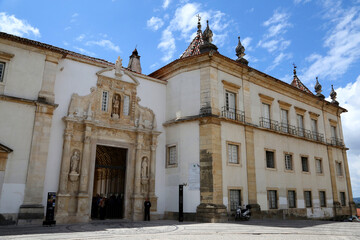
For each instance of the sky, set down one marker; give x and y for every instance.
(321, 37)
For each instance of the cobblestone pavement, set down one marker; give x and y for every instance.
(165, 229)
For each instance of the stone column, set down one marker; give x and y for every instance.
(211, 208)
(32, 210)
(138, 199)
(83, 196)
(152, 196)
(348, 183)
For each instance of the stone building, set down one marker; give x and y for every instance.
(84, 127)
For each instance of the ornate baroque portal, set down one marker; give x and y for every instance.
(109, 116)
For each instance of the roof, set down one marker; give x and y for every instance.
(298, 84)
(49, 47)
(194, 47)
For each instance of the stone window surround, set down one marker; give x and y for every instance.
(268, 197)
(292, 162)
(311, 198)
(168, 165)
(300, 111)
(233, 88)
(284, 105)
(238, 164)
(322, 190)
(308, 165)
(241, 195)
(6, 58)
(275, 165)
(321, 164)
(287, 196)
(343, 203)
(337, 164)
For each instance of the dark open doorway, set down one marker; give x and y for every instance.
(109, 182)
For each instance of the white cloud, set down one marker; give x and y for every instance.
(301, 1)
(219, 39)
(80, 37)
(86, 52)
(167, 45)
(246, 43)
(107, 44)
(278, 60)
(343, 44)
(12, 25)
(67, 28)
(349, 98)
(74, 17)
(155, 23)
(166, 4)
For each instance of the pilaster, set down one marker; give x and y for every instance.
(48, 82)
(348, 183)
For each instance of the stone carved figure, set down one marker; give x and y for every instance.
(74, 162)
(115, 113)
(144, 117)
(145, 168)
(118, 66)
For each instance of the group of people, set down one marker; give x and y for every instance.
(103, 207)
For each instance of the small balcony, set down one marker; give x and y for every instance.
(270, 124)
(232, 113)
(336, 142)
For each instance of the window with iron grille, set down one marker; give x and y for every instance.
(308, 200)
(126, 105)
(342, 199)
(292, 199)
(235, 199)
(288, 162)
(314, 128)
(266, 115)
(305, 164)
(233, 153)
(272, 195)
(171, 156)
(300, 123)
(284, 120)
(270, 161)
(318, 164)
(2, 71)
(105, 100)
(322, 197)
(230, 100)
(339, 171)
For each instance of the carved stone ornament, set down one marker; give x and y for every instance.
(333, 96)
(240, 53)
(318, 89)
(74, 165)
(145, 168)
(115, 112)
(118, 67)
(207, 38)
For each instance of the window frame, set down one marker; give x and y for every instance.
(288, 198)
(307, 164)
(270, 205)
(125, 96)
(106, 104)
(274, 159)
(238, 145)
(6, 59)
(343, 199)
(339, 169)
(305, 200)
(292, 161)
(284, 125)
(324, 203)
(2, 76)
(168, 164)
(229, 197)
(321, 166)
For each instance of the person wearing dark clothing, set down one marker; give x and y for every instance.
(102, 210)
(147, 206)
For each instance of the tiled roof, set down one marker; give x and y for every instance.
(194, 47)
(298, 84)
(51, 48)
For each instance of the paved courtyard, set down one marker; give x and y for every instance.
(165, 229)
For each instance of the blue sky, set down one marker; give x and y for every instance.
(321, 37)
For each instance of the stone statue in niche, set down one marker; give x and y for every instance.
(74, 162)
(115, 113)
(145, 168)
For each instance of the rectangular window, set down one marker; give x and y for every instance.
(230, 99)
(342, 199)
(270, 161)
(300, 124)
(171, 156)
(307, 196)
(2, 71)
(333, 132)
(233, 153)
(322, 197)
(266, 115)
(105, 100)
(126, 105)
(235, 199)
(272, 195)
(284, 121)
(305, 164)
(318, 164)
(314, 129)
(288, 162)
(292, 199)
(339, 171)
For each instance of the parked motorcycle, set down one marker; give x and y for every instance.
(243, 213)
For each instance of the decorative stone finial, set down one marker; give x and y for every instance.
(294, 69)
(240, 53)
(199, 23)
(207, 35)
(333, 96)
(318, 89)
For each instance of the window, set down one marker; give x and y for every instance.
(270, 161)
(171, 156)
(292, 199)
(300, 124)
(314, 129)
(322, 197)
(266, 115)
(230, 99)
(104, 103)
(288, 162)
(307, 196)
(2, 71)
(342, 199)
(304, 164)
(284, 121)
(272, 195)
(235, 199)
(126, 105)
(339, 171)
(333, 132)
(233, 153)
(318, 164)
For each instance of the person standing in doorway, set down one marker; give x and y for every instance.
(147, 205)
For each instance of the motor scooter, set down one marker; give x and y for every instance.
(243, 213)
